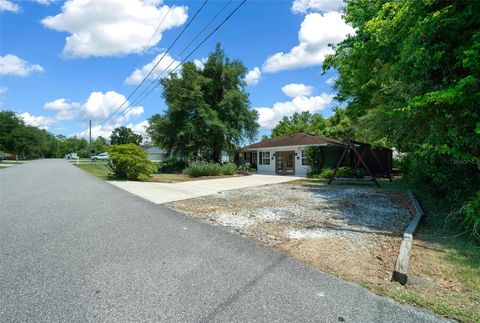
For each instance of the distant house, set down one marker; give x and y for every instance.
(286, 155)
(155, 154)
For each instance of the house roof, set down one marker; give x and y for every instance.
(299, 139)
(153, 149)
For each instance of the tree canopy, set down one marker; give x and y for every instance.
(124, 136)
(28, 142)
(411, 79)
(208, 110)
(338, 126)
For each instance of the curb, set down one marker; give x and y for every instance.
(400, 273)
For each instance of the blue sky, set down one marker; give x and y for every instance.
(63, 63)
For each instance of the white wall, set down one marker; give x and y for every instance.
(300, 170)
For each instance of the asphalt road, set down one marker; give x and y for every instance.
(77, 249)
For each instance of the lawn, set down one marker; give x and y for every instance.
(97, 169)
(444, 270)
(100, 170)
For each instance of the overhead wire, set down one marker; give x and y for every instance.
(156, 83)
(156, 64)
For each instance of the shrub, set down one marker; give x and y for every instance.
(203, 169)
(172, 165)
(316, 159)
(327, 172)
(129, 162)
(229, 169)
(345, 172)
(210, 169)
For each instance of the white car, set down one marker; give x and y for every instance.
(71, 156)
(102, 156)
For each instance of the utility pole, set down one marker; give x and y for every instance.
(90, 140)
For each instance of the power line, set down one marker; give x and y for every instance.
(139, 99)
(156, 64)
(142, 52)
(128, 108)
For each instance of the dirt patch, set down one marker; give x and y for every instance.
(353, 233)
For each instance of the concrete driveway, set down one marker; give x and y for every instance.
(160, 193)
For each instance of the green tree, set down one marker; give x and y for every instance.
(123, 136)
(411, 78)
(100, 145)
(208, 110)
(306, 122)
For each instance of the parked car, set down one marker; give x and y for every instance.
(102, 156)
(71, 156)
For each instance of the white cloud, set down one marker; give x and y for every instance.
(97, 107)
(46, 2)
(331, 81)
(297, 89)
(268, 118)
(304, 6)
(63, 110)
(14, 65)
(200, 63)
(37, 121)
(139, 74)
(3, 89)
(113, 27)
(106, 131)
(100, 105)
(316, 33)
(6, 5)
(97, 131)
(253, 76)
(140, 128)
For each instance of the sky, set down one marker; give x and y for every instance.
(63, 63)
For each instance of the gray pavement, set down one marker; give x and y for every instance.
(77, 249)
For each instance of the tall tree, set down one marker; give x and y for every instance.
(208, 110)
(306, 122)
(123, 136)
(411, 77)
(100, 144)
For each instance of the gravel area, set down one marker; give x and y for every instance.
(351, 232)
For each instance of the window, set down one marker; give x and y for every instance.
(264, 158)
(304, 158)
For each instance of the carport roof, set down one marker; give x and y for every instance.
(299, 139)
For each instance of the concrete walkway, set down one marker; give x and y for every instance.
(160, 193)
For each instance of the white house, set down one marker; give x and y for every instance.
(155, 154)
(286, 155)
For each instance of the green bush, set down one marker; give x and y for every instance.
(344, 172)
(327, 172)
(203, 169)
(210, 169)
(171, 165)
(229, 169)
(316, 159)
(129, 162)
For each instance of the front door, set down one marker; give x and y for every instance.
(285, 162)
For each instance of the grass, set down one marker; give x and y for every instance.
(100, 170)
(444, 270)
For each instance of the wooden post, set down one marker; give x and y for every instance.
(338, 163)
(380, 164)
(365, 165)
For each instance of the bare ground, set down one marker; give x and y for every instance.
(353, 233)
